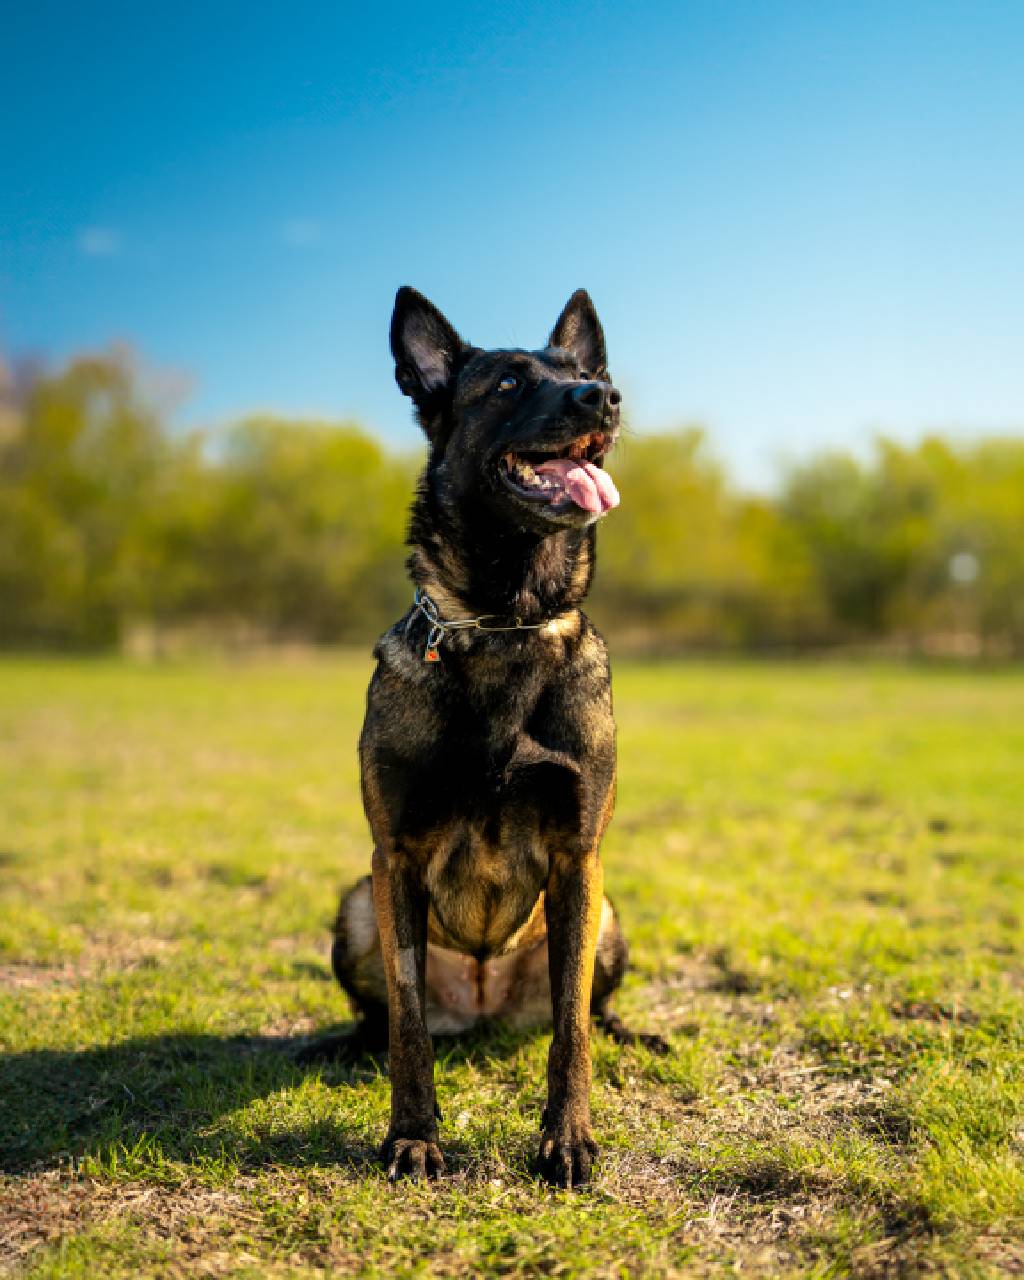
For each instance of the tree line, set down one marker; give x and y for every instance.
(116, 527)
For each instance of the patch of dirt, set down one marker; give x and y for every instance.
(1005, 1254)
(123, 953)
(289, 1027)
(767, 1209)
(32, 977)
(45, 1208)
(932, 1011)
(101, 955)
(41, 1210)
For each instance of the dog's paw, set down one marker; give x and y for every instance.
(613, 1027)
(341, 1050)
(329, 1049)
(345, 1049)
(653, 1043)
(411, 1158)
(566, 1156)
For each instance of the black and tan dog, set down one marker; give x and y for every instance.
(488, 750)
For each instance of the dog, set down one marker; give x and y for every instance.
(488, 750)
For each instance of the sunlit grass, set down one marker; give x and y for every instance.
(819, 870)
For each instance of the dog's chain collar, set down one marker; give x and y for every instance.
(440, 627)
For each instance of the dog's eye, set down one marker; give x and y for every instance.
(508, 383)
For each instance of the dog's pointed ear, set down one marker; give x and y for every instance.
(578, 330)
(426, 350)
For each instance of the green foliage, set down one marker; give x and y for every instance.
(299, 531)
(77, 471)
(115, 528)
(110, 521)
(887, 539)
(686, 558)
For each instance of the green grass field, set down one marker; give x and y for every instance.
(820, 870)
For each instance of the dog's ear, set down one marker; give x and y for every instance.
(426, 350)
(578, 330)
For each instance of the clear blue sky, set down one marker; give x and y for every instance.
(800, 222)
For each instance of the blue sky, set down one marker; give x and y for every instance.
(801, 223)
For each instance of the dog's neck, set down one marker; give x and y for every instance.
(470, 567)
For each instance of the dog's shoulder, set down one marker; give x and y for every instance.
(397, 656)
(585, 659)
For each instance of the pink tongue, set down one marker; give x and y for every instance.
(587, 485)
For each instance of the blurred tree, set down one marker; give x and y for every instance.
(77, 470)
(925, 542)
(686, 559)
(306, 526)
(113, 525)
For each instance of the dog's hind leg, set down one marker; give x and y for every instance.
(609, 969)
(359, 969)
(368, 1039)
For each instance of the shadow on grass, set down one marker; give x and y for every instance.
(170, 1091)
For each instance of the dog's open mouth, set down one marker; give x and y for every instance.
(560, 477)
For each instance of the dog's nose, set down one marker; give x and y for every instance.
(596, 396)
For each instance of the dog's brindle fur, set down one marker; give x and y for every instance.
(489, 776)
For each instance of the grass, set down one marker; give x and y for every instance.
(820, 870)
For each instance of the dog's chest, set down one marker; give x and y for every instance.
(483, 880)
(488, 855)
(477, 791)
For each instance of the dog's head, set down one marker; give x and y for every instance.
(523, 432)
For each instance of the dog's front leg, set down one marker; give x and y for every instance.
(573, 908)
(400, 901)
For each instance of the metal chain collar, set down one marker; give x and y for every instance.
(440, 627)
